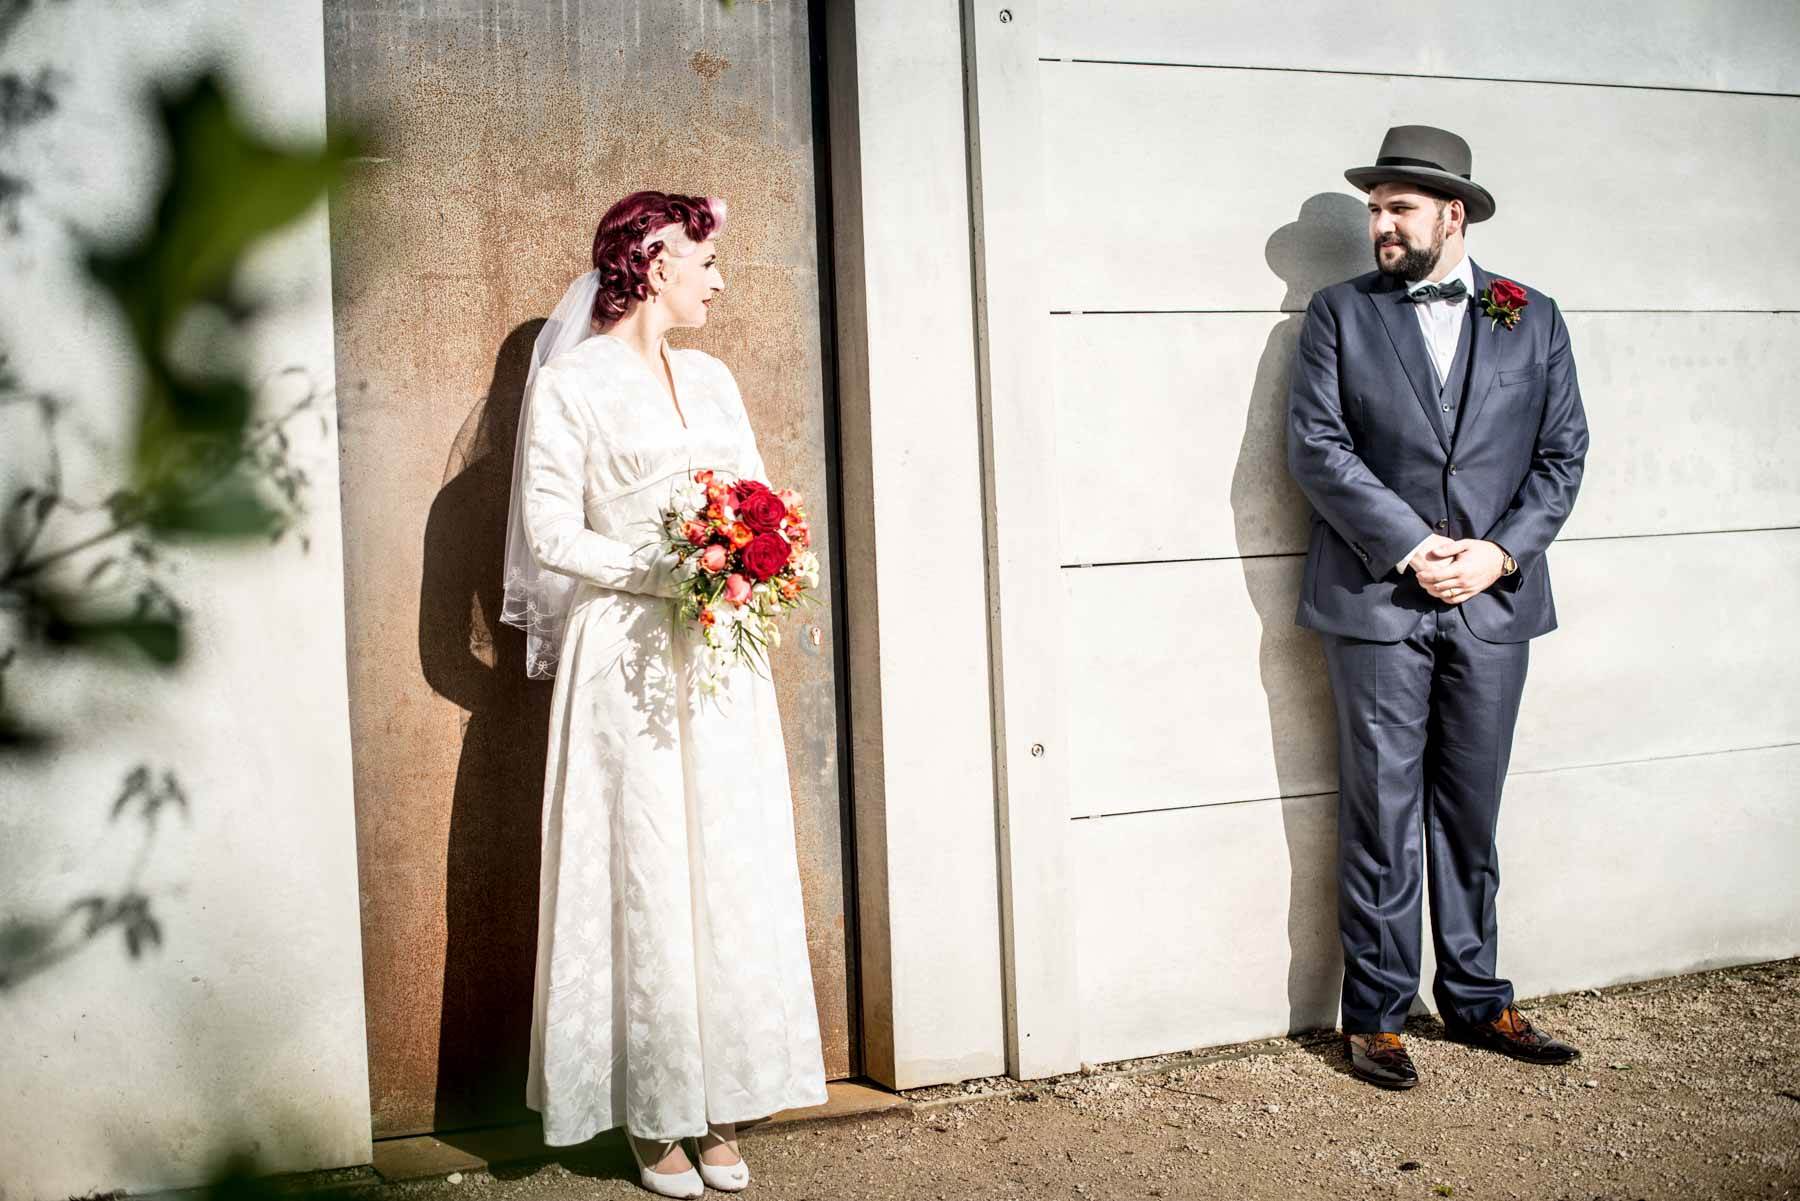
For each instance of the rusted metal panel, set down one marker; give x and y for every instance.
(502, 132)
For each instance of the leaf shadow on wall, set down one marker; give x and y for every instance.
(1326, 243)
(470, 659)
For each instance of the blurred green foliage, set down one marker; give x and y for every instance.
(86, 569)
(84, 573)
(225, 191)
(34, 942)
(26, 97)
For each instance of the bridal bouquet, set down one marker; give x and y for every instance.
(742, 559)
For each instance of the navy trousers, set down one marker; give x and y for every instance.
(1425, 730)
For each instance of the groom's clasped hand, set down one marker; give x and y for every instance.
(1455, 570)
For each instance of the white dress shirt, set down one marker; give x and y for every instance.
(1441, 321)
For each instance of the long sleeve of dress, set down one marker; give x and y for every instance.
(555, 516)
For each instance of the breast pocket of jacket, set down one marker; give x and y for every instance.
(1521, 392)
(1524, 375)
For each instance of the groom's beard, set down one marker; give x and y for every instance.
(1414, 265)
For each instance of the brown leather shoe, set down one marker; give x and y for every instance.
(1381, 1059)
(1511, 1034)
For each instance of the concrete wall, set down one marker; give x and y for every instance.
(245, 1029)
(1651, 813)
(1189, 163)
(923, 736)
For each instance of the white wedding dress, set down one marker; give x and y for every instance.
(673, 984)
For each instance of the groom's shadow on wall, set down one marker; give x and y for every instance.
(1326, 243)
(491, 870)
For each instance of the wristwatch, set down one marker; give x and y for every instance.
(1508, 565)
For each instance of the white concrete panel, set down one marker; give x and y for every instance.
(1692, 417)
(1182, 413)
(1209, 926)
(1024, 593)
(244, 1030)
(1165, 188)
(919, 708)
(1736, 45)
(1190, 685)
(1171, 437)
(1206, 926)
(1668, 646)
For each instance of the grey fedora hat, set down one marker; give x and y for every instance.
(1432, 158)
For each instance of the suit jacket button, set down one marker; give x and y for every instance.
(1453, 469)
(1443, 523)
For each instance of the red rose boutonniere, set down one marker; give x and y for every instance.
(1504, 302)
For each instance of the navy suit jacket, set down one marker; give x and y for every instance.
(1368, 448)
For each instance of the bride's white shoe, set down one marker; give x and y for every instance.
(726, 1178)
(665, 1184)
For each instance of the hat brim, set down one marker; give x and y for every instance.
(1477, 201)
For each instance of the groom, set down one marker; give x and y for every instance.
(1436, 427)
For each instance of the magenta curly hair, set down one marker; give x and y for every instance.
(624, 248)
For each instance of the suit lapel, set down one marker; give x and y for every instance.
(1484, 353)
(1403, 332)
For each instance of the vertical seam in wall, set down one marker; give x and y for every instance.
(875, 1015)
(823, 192)
(996, 667)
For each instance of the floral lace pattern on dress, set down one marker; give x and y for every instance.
(673, 984)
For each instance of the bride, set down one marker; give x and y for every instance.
(673, 991)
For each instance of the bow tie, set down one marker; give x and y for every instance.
(1453, 290)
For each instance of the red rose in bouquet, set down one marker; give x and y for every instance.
(741, 562)
(766, 555)
(762, 511)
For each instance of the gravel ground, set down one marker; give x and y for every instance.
(1689, 1089)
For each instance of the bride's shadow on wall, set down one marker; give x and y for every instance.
(1327, 242)
(470, 659)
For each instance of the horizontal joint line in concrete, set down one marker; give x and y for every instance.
(1297, 312)
(1736, 750)
(1558, 83)
(1758, 529)
(1534, 771)
(1196, 559)
(1254, 800)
